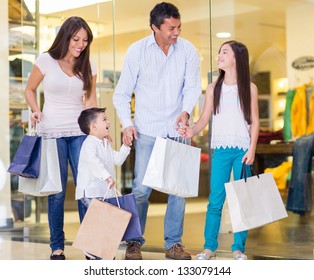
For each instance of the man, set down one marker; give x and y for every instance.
(163, 71)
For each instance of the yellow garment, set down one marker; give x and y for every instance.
(298, 113)
(280, 174)
(310, 127)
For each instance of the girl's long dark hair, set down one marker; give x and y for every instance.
(60, 47)
(243, 79)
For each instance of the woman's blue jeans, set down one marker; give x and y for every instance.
(223, 161)
(68, 151)
(174, 218)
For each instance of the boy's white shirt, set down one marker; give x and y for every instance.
(97, 163)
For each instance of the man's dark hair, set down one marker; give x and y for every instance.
(161, 11)
(87, 117)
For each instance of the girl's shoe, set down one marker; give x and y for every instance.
(206, 255)
(238, 255)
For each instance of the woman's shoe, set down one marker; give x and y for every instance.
(206, 255)
(60, 257)
(238, 255)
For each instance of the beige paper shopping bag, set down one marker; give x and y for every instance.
(101, 230)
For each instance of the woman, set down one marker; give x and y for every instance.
(69, 85)
(232, 101)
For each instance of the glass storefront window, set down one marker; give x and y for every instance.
(281, 58)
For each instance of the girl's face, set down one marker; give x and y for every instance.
(101, 126)
(78, 42)
(226, 58)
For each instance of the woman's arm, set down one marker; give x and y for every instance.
(33, 82)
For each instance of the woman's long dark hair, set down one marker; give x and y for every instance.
(243, 79)
(60, 47)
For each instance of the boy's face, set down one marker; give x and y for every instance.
(101, 127)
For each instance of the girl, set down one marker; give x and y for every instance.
(232, 100)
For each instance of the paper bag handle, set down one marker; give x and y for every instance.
(117, 193)
(244, 174)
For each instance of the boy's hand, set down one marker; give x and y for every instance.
(111, 182)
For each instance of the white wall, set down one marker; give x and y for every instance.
(300, 41)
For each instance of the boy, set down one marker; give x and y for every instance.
(97, 160)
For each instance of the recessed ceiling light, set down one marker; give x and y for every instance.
(48, 6)
(223, 35)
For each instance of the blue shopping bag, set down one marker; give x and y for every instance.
(26, 161)
(128, 203)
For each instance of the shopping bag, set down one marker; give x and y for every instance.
(26, 161)
(128, 203)
(254, 201)
(49, 180)
(173, 168)
(101, 230)
(225, 222)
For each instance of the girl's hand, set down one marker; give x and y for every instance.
(185, 131)
(248, 158)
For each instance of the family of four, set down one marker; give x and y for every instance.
(163, 71)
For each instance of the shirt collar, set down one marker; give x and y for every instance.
(96, 139)
(152, 41)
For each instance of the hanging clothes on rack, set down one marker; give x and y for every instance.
(298, 113)
(310, 126)
(299, 198)
(287, 132)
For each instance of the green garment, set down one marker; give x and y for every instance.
(287, 132)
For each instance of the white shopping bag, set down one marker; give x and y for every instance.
(49, 180)
(254, 202)
(173, 168)
(225, 222)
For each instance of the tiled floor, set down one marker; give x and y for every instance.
(290, 238)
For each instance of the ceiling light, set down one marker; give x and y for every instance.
(223, 35)
(48, 6)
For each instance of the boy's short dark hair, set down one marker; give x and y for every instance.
(87, 117)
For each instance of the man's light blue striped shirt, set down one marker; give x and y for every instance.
(164, 85)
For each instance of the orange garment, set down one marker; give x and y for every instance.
(281, 173)
(298, 113)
